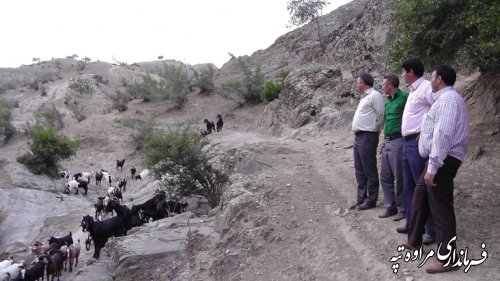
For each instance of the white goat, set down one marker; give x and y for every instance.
(6, 263)
(142, 175)
(88, 175)
(11, 272)
(72, 185)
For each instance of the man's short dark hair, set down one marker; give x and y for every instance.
(393, 79)
(415, 64)
(366, 78)
(447, 73)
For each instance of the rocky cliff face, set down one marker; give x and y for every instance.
(322, 81)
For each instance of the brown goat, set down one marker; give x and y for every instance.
(74, 252)
(39, 248)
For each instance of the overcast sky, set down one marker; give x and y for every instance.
(192, 31)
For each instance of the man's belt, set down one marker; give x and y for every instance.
(393, 136)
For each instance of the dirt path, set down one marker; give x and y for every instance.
(311, 234)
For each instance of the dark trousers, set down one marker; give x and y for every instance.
(413, 166)
(437, 200)
(365, 166)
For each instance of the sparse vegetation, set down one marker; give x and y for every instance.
(464, 32)
(180, 151)
(120, 101)
(149, 89)
(144, 134)
(81, 85)
(204, 79)
(6, 128)
(48, 148)
(77, 110)
(100, 79)
(49, 116)
(176, 83)
(249, 87)
(273, 89)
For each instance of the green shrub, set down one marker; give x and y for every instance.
(464, 32)
(100, 79)
(120, 101)
(149, 89)
(49, 116)
(204, 79)
(6, 128)
(144, 134)
(273, 89)
(249, 87)
(81, 85)
(47, 149)
(35, 84)
(176, 83)
(180, 151)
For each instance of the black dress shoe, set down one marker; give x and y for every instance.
(388, 213)
(428, 240)
(353, 206)
(402, 230)
(399, 216)
(366, 206)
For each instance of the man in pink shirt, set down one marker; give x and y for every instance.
(418, 104)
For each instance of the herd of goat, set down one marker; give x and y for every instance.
(52, 257)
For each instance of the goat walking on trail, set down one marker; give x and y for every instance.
(210, 126)
(219, 123)
(119, 164)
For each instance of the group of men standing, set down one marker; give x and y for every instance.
(425, 140)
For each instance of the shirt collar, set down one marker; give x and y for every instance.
(437, 94)
(368, 91)
(415, 84)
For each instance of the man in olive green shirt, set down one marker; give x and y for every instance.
(392, 149)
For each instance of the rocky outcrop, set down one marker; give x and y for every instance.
(319, 94)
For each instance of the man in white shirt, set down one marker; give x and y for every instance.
(366, 125)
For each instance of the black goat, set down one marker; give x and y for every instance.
(99, 206)
(36, 271)
(83, 184)
(61, 241)
(98, 177)
(176, 207)
(130, 218)
(53, 264)
(151, 203)
(119, 164)
(210, 126)
(77, 176)
(220, 123)
(101, 231)
(132, 172)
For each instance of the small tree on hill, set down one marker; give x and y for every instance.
(178, 159)
(304, 11)
(48, 148)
